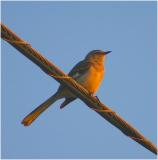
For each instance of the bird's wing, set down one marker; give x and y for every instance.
(80, 68)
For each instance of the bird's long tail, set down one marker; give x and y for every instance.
(36, 112)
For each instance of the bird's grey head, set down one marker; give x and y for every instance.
(97, 55)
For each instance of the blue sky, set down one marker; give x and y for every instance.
(65, 32)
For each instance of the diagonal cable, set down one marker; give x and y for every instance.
(91, 101)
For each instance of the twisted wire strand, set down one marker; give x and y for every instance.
(16, 42)
(53, 71)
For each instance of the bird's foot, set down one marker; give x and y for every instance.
(102, 110)
(97, 99)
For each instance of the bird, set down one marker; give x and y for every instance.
(89, 73)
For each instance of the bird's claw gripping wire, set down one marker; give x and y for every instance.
(101, 110)
(97, 99)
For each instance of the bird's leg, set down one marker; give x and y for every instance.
(101, 110)
(91, 94)
(97, 98)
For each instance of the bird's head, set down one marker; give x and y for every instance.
(97, 55)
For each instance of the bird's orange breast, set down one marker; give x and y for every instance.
(92, 79)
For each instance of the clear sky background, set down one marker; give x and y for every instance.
(65, 32)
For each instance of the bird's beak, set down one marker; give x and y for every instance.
(107, 52)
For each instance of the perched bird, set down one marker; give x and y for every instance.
(88, 72)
